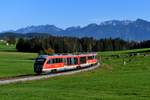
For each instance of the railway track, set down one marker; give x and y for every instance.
(44, 76)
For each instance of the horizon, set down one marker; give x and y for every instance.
(63, 14)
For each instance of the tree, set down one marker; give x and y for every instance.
(49, 51)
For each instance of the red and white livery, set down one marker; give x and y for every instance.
(53, 63)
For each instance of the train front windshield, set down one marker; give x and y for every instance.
(40, 61)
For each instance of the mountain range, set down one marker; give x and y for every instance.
(125, 29)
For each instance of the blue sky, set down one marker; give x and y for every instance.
(15, 14)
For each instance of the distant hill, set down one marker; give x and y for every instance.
(27, 35)
(125, 29)
(51, 29)
(10, 34)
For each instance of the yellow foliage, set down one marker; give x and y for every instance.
(49, 51)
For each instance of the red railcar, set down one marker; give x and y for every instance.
(46, 63)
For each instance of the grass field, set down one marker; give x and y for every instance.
(114, 80)
(4, 47)
(14, 63)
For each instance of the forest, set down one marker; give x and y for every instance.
(60, 44)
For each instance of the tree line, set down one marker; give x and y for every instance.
(58, 44)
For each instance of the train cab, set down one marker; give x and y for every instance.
(39, 63)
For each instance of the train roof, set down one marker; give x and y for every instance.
(65, 55)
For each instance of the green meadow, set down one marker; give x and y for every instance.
(4, 47)
(14, 63)
(120, 77)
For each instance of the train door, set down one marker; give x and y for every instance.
(70, 61)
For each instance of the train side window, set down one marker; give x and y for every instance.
(53, 61)
(72, 61)
(65, 61)
(49, 61)
(61, 60)
(90, 57)
(68, 61)
(82, 60)
(57, 60)
(94, 57)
